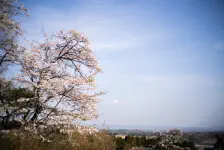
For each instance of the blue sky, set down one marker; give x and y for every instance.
(162, 59)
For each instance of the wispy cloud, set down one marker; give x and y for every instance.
(107, 31)
(152, 54)
(219, 45)
(182, 79)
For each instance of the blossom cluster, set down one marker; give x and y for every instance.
(61, 72)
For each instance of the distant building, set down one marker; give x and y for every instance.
(121, 136)
(207, 144)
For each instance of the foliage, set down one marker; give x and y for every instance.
(187, 143)
(60, 72)
(220, 142)
(22, 141)
(56, 81)
(135, 141)
(10, 105)
(9, 31)
(120, 143)
(170, 140)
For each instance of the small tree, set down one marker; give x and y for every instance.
(11, 108)
(60, 71)
(120, 143)
(173, 136)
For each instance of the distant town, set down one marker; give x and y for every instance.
(199, 140)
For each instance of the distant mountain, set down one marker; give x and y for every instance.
(155, 128)
(159, 128)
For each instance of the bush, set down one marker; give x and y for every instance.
(26, 141)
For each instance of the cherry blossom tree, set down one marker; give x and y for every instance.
(60, 71)
(9, 31)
